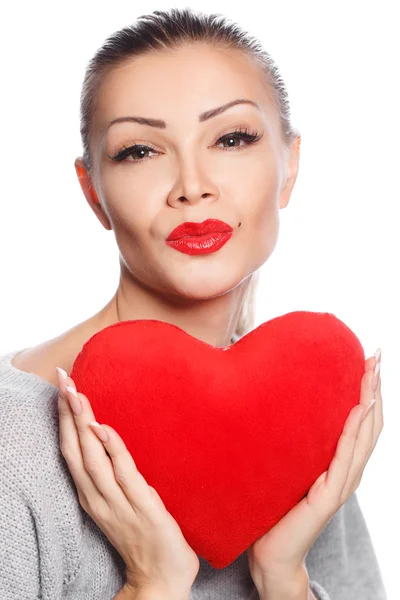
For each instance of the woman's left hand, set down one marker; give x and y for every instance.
(281, 552)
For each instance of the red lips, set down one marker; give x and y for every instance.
(208, 226)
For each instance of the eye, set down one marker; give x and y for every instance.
(238, 135)
(122, 153)
(249, 137)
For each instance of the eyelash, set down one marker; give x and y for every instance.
(250, 137)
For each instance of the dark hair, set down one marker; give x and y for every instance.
(170, 30)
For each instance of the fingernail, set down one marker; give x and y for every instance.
(376, 376)
(63, 373)
(71, 389)
(75, 402)
(367, 409)
(99, 431)
(378, 354)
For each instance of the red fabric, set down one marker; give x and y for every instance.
(231, 438)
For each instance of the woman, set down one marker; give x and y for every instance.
(204, 109)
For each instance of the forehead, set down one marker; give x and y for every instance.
(177, 85)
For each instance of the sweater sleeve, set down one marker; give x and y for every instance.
(33, 563)
(19, 557)
(50, 548)
(342, 563)
(318, 591)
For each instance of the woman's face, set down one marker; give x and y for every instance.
(187, 174)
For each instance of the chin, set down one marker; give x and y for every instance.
(209, 284)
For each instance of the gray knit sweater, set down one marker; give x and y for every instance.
(51, 549)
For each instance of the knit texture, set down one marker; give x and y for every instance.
(51, 549)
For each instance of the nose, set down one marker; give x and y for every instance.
(193, 186)
(192, 198)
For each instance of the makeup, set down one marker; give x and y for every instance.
(200, 238)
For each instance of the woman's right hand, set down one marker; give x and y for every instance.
(118, 499)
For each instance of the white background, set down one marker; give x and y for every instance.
(338, 249)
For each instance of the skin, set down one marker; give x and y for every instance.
(191, 179)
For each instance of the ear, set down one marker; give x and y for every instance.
(86, 183)
(293, 168)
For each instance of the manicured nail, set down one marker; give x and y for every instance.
(99, 431)
(74, 401)
(367, 409)
(63, 373)
(378, 354)
(375, 380)
(71, 389)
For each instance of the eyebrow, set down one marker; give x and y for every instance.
(208, 114)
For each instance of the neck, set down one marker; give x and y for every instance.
(212, 320)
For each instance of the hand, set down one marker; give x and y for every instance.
(118, 499)
(281, 552)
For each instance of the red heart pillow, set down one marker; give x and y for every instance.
(231, 438)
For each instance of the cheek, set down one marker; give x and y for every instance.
(260, 209)
(130, 209)
(263, 209)
(256, 186)
(261, 224)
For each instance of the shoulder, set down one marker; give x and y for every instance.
(61, 351)
(43, 359)
(29, 389)
(41, 522)
(28, 415)
(27, 419)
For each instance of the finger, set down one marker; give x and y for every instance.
(115, 476)
(340, 464)
(378, 407)
(66, 425)
(378, 421)
(364, 440)
(131, 481)
(370, 363)
(70, 444)
(68, 434)
(378, 424)
(93, 458)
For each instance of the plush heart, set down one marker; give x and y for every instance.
(231, 438)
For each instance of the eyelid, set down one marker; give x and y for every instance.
(230, 129)
(249, 134)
